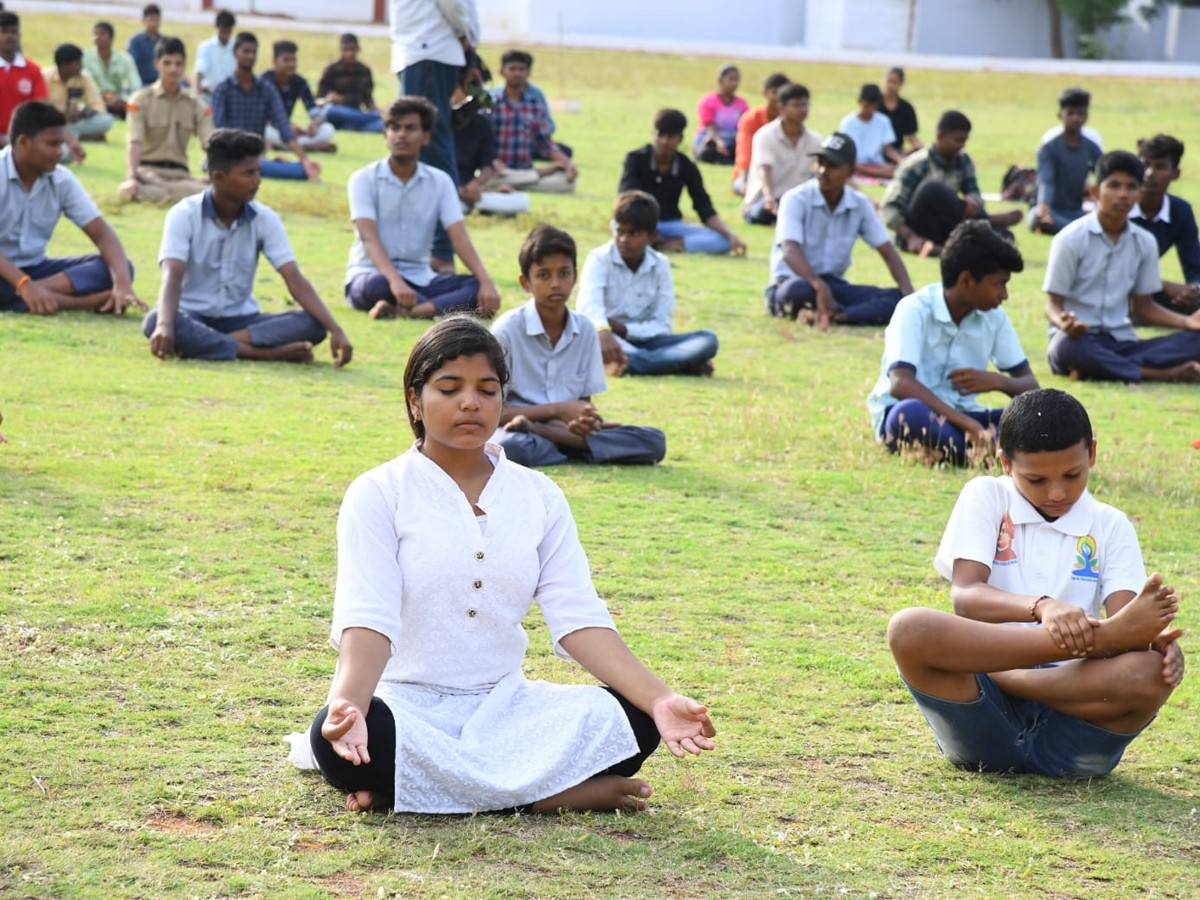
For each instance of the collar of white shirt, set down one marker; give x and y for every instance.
(1164, 212)
(1077, 522)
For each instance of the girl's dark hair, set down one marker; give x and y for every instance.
(1043, 420)
(454, 336)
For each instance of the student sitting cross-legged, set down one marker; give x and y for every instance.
(396, 205)
(556, 369)
(627, 292)
(1170, 219)
(1064, 164)
(1103, 269)
(209, 255)
(1026, 677)
(937, 347)
(818, 223)
(35, 191)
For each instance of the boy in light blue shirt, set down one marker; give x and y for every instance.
(873, 135)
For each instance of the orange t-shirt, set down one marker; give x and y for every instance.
(747, 125)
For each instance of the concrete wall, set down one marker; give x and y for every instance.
(1015, 28)
(343, 10)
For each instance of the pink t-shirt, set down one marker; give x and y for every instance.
(713, 111)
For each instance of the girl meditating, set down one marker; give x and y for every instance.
(440, 553)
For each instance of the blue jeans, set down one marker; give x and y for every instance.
(436, 82)
(756, 213)
(668, 354)
(696, 238)
(860, 304)
(912, 422)
(347, 118)
(274, 168)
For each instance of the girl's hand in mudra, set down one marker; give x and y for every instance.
(684, 725)
(345, 727)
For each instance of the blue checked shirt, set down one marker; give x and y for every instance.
(250, 110)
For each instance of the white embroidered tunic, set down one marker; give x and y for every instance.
(472, 733)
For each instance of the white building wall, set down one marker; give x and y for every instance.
(343, 10)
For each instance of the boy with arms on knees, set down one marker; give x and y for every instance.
(814, 236)
(209, 255)
(293, 88)
(34, 191)
(396, 205)
(1064, 164)
(873, 135)
(627, 293)
(347, 91)
(522, 130)
(937, 347)
(113, 70)
(781, 157)
(1064, 695)
(73, 93)
(1101, 271)
(555, 367)
(1170, 219)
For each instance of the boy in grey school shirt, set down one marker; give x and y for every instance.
(1064, 164)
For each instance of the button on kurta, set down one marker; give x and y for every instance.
(478, 584)
(479, 554)
(472, 613)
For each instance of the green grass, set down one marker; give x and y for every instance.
(167, 570)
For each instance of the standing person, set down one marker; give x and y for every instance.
(521, 124)
(396, 204)
(662, 171)
(901, 112)
(719, 113)
(293, 88)
(35, 191)
(163, 120)
(430, 43)
(209, 255)
(243, 102)
(440, 552)
(114, 71)
(72, 92)
(781, 158)
(346, 91)
(141, 46)
(1170, 219)
(1064, 164)
(214, 57)
(20, 79)
(748, 126)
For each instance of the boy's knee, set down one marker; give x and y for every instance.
(907, 629)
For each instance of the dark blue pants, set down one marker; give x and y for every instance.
(912, 422)
(446, 292)
(861, 304)
(1100, 356)
(667, 354)
(206, 337)
(622, 444)
(436, 82)
(87, 274)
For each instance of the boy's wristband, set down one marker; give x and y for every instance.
(604, 327)
(1034, 604)
(21, 282)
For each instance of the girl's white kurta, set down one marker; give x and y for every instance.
(471, 732)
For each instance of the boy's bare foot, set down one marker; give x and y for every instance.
(807, 316)
(1007, 219)
(669, 245)
(615, 369)
(704, 369)
(1188, 373)
(362, 801)
(929, 249)
(604, 793)
(518, 423)
(1140, 621)
(297, 352)
(383, 310)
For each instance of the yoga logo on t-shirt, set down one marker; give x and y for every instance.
(1005, 554)
(1087, 559)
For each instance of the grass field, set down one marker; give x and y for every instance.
(167, 572)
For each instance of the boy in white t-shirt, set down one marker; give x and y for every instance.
(1064, 695)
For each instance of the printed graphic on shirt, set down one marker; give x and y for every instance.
(1087, 559)
(1005, 554)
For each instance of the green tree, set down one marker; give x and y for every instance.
(1090, 16)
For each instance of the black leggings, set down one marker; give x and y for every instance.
(379, 775)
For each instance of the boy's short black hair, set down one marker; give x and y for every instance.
(9, 20)
(244, 37)
(279, 48)
(349, 39)
(1161, 146)
(670, 122)
(975, 246)
(953, 120)
(775, 81)
(1119, 161)
(229, 146)
(32, 118)
(792, 91)
(1043, 420)
(1074, 98)
(543, 241)
(454, 336)
(871, 94)
(637, 209)
(170, 46)
(898, 71)
(516, 56)
(65, 54)
(406, 105)
(225, 19)
(106, 27)
(151, 9)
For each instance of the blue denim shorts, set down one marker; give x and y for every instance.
(997, 732)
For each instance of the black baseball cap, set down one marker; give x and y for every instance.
(838, 149)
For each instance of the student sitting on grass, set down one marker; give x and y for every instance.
(1064, 164)
(1170, 219)
(554, 356)
(521, 125)
(937, 348)
(819, 221)
(440, 552)
(748, 126)
(293, 89)
(1101, 270)
(872, 134)
(209, 256)
(1026, 677)
(781, 157)
(627, 293)
(34, 192)
(901, 112)
(114, 71)
(934, 189)
(662, 171)
(72, 92)
(719, 114)
(396, 205)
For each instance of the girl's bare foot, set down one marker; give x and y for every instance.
(363, 801)
(604, 793)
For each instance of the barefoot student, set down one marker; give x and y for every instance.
(1065, 694)
(440, 552)
(209, 256)
(34, 192)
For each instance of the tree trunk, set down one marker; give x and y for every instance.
(1056, 38)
